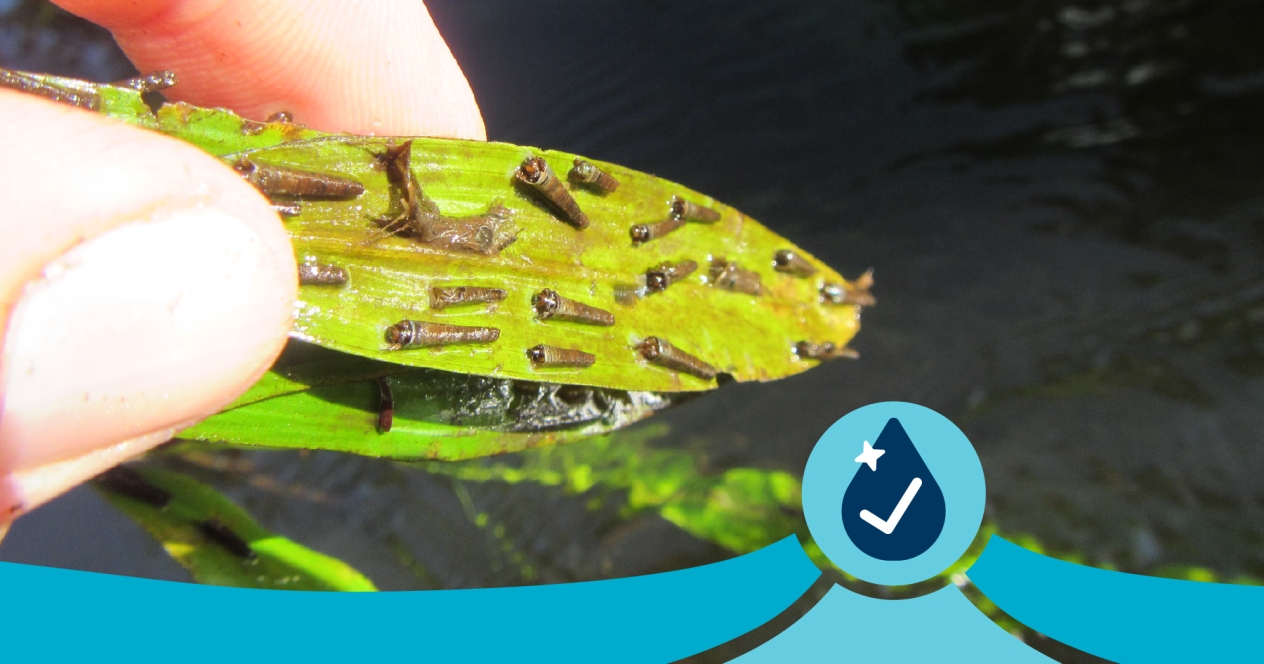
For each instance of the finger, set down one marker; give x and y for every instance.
(142, 285)
(366, 68)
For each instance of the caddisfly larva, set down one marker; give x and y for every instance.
(155, 82)
(807, 350)
(683, 209)
(215, 530)
(642, 233)
(857, 292)
(385, 406)
(317, 274)
(423, 334)
(552, 356)
(658, 278)
(791, 262)
(442, 297)
(285, 181)
(397, 161)
(76, 93)
(486, 233)
(127, 482)
(551, 306)
(659, 351)
(252, 128)
(585, 172)
(536, 174)
(729, 276)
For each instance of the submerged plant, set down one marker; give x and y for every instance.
(461, 299)
(479, 260)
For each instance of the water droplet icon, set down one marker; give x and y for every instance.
(893, 509)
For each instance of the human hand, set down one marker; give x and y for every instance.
(143, 283)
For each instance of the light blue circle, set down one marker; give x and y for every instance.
(947, 453)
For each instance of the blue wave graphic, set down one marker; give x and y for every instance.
(1118, 616)
(847, 627)
(657, 618)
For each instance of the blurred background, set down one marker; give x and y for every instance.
(1064, 207)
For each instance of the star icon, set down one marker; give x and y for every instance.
(870, 456)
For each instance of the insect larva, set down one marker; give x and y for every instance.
(315, 274)
(549, 305)
(657, 279)
(727, 275)
(856, 293)
(792, 263)
(823, 351)
(551, 356)
(810, 351)
(283, 181)
(442, 297)
(159, 80)
(585, 172)
(214, 529)
(683, 209)
(662, 353)
(422, 334)
(486, 233)
(87, 98)
(252, 128)
(385, 406)
(642, 233)
(397, 161)
(127, 482)
(536, 174)
(288, 209)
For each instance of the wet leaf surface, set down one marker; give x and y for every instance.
(748, 336)
(392, 219)
(315, 398)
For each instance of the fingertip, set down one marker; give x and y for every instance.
(35, 486)
(156, 322)
(148, 286)
(378, 68)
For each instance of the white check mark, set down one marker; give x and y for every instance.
(887, 527)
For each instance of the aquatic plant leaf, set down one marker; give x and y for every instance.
(740, 509)
(182, 528)
(750, 337)
(316, 398)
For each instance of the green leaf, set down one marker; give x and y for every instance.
(750, 337)
(181, 527)
(741, 509)
(315, 398)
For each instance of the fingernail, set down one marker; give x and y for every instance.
(137, 330)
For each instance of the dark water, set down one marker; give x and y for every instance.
(1064, 205)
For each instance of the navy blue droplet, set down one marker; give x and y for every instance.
(879, 491)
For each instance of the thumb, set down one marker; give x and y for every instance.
(143, 286)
